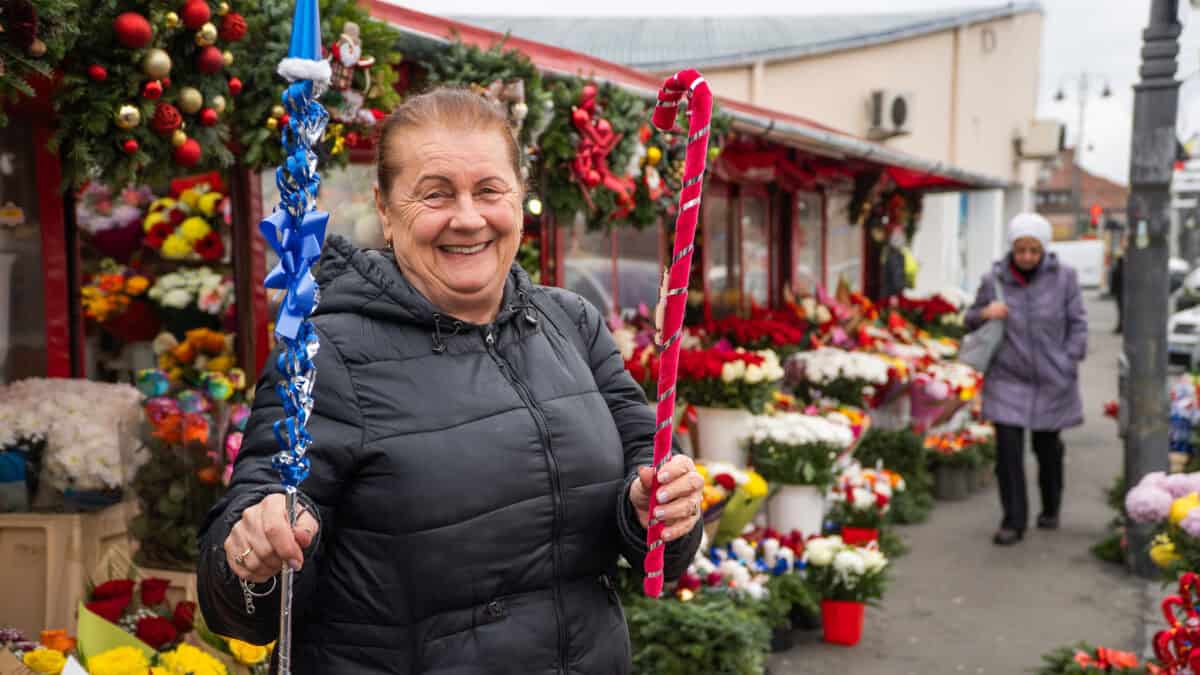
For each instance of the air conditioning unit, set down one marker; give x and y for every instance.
(1042, 139)
(890, 114)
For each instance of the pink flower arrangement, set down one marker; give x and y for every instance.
(1149, 502)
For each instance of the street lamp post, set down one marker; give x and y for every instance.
(1145, 341)
(1084, 80)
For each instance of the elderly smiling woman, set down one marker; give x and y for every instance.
(480, 456)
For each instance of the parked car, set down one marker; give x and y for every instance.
(1187, 295)
(1183, 335)
(1178, 271)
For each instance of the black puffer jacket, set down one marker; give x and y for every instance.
(471, 482)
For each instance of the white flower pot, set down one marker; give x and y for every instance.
(797, 507)
(722, 431)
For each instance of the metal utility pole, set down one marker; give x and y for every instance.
(1151, 164)
(1084, 81)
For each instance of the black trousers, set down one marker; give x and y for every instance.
(1010, 473)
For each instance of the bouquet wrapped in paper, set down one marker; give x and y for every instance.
(731, 499)
(941, 390)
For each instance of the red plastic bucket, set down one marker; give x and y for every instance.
(842, 621)
(859, 536)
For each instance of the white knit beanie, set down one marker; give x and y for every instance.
(1029, 225)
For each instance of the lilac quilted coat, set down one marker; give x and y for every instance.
(1033, 382)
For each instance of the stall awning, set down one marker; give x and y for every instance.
(784, 128)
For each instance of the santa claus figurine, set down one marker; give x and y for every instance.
(347, 57)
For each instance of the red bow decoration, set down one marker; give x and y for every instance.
(596, 141)
(1175, 646)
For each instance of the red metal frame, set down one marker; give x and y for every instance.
(58, 275)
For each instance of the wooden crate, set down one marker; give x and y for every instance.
(41, 570)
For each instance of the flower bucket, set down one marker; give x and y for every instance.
(120, 242)
(895, 415)
(805, 620)
(985, 476)
(721, 433)
(138, 323)
(782, 640)
(797, 507)
(859, 536)
(842, 621)
(83, 501)
(179, 321)
(952, 483)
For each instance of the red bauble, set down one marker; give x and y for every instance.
(166, 118)
(130, 146)
(166, 82)
(195, 14)
(208, 117)
(235, 85)
(283, 121)
(97, 73)
(188, 154)
(133, 30)
(233, 27)
(152, 90)
(209, 60)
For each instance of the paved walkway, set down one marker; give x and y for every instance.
(958, 604)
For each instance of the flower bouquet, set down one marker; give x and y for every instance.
(728, 378)
(940, 391)
(968, 448)
(88, 432)
(192, 298)
(114, 298)
(848, 377)
(240, 657)
(939, 314)
(47, 654)
(1172, 505)
(846, 578)
(113, 222)
(1085, 659)
(195, 412)
(187, 227)
(731, 498)
(861, 499)
(783, 337)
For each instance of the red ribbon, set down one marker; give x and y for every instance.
(596, 140)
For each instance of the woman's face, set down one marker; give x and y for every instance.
(453, 217)
(1027, 253)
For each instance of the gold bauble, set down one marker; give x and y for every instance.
(223, 9)
(156, 64)
(128, 116)
(190, 100)
(277, 111)
(653, 156)
(218, 104)
(272, 123)
(227, 57)
(179, 138)
(37, 49)
(171, 20)
(207, 35)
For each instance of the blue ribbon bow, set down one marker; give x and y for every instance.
(298, 248)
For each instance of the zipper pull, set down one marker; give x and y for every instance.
(490, 339)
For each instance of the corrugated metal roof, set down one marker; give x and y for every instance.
(664, 43)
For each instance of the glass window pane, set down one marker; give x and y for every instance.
(639, 270)
(22, 314)
(348, 195)
(756, 249)
(724, 261)
(587, 264)
(806, 244)
(844, 246)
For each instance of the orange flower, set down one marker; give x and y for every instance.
(57, 639)
(1083, 659)
(209, 475)
(136, 285)
(1117, 658)
(207, 341)
(111, 283)
(170, 430)
(195, 429)
(185, 352)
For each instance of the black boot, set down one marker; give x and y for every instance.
(1047, 522)
(1007, 537)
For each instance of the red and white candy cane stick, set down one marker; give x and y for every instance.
(692, 84)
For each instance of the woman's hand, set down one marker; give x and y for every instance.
(262, 541)
(680, 491)
(996, 310)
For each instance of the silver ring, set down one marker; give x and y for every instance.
(696, 512)
(241, 559)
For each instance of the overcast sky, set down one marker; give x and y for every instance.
(1101, 36)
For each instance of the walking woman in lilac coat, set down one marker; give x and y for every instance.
(1033, 381)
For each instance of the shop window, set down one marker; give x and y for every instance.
(845, 245)
(756, 249)
(723, 256)
(587, 267)
(22, 313)
(807, 271)
(639, 268)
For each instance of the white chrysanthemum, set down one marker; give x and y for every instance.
(849, 563)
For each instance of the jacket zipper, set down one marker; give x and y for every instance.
(539, 420)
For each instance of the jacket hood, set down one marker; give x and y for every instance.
(369, 282)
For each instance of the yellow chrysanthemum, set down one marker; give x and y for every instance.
(1163, 551)
(188, 660)
(161, 204)
(190, 197)
(220, 364)
(194, 229)
(176, 247)
(703, 471)
(755, 485)
(153, 219)
(208, 202)
(43, 660)
(1181, 507)
(248, 654)
(119, 661)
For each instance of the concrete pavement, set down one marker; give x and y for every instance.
(958, 604)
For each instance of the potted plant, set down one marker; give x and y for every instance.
(848, 377)
(903, 452)
(846, 578)
(797, 453)
(955, 458)
(861, 501)
(727, 387)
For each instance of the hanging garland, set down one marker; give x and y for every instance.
(34, 40)
(879, 205)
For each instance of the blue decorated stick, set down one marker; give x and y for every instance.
(296, 231)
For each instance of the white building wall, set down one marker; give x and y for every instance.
(983, 233)
(936, 242)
